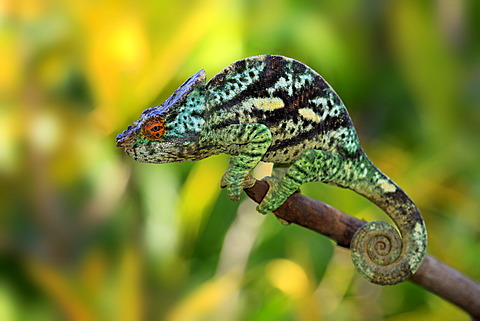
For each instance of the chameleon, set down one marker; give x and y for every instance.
(276, 109)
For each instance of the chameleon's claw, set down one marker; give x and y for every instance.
(277, 194)
(226, 179)
(248, 181)
(235, 185)
(272, 199)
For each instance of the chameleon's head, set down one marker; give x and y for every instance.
(165, 133)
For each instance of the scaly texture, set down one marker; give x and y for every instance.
(276, 109)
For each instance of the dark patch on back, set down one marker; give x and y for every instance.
(333, 123)
(298, 67)
(274, 69)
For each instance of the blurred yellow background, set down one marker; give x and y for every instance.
(86, 233)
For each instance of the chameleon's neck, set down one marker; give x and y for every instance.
(185, 126)
(185, 122)
(387, 195)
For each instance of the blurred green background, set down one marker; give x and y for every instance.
(86, 233)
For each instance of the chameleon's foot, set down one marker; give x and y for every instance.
(235, 185)
(275, 196)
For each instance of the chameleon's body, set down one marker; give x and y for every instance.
(276, 109)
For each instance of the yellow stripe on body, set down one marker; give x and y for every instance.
(309, 114)
(266, 103)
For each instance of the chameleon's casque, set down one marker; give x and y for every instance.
(276, 109)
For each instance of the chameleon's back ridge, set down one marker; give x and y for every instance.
(277, 109)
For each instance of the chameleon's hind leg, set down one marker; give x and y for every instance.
(253, 141)
(313, 165)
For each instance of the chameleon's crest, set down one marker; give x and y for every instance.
(178, 97)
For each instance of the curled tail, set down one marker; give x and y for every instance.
(378, 251)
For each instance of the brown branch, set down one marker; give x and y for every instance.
(433, 275)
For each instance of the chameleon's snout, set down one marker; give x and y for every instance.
(120, 141)
(123, 140)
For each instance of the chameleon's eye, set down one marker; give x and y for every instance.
(154, 128)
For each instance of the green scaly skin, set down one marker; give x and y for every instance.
(276, 109)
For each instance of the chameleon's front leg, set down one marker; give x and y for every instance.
(250, 142)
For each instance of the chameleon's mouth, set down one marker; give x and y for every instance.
(124, 140)
(121, 142)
